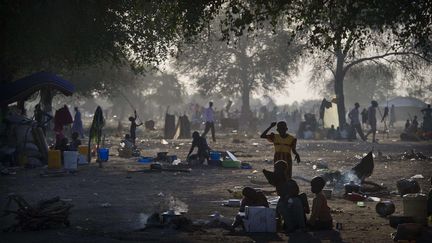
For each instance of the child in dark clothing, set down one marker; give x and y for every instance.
(203, 149)
(73, 146)
(290, 207)
(251, 197)
(133, 127)
(62, 145)
(320, 218)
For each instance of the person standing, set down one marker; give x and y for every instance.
(42, 118)
(133, 127)
(77, 125)
(364, 117)
(372, 120)
(355, 120)
(209, 121)
(392, 116)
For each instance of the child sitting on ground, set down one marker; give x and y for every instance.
(251, 197)
(73, 146)
(203, 149)
(320, 218)
(290, 207)
(126, 147)
(284, 143)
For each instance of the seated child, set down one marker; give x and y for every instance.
(290, 207)
(251, 197)
(203, 149)
(62, 145)
(278, 177)
(73, 146)
(126, 147)
(320, 218)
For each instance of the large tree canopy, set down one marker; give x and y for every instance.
(57, 35)
(348, 32)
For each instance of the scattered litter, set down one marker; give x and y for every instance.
(418, 176)
(254, 171)
(361, 204)
(161, 194)
(177, 147)
(374, 199)
(232, 203)
(176, 162)
(106, 205)
(255, 144)
(164, 142)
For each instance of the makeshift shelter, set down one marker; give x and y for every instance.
(23, 88)
(405, 107)
(183, 128)
(170, 127)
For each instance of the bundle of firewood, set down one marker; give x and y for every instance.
(45, 214)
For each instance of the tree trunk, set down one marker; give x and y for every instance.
(245, 95)
(339, 89)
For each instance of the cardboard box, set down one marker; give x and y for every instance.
(260, 219)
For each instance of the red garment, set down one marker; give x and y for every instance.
(62, 117)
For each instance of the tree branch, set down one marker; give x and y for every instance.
(382, 56)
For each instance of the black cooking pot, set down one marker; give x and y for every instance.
(385, 208)
(351, 187)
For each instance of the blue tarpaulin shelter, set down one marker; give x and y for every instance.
(23, 88)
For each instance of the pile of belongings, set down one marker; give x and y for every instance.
(45, 214)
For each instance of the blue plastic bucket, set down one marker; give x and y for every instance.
(215, 155)
(103, 154)
(145, 160)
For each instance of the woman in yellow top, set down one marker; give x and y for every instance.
(284, 143)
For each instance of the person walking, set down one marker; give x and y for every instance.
(355, 121)
(209, 121)
(372, 120)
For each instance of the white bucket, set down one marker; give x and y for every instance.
(70, 160)
(82, 159)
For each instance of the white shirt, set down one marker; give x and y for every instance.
(209, 115)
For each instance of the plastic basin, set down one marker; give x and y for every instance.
(104, 154)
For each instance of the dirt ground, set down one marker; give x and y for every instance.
(133, 196)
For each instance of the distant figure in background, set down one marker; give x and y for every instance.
(203, 149)
(427, 119)
(364, 117)
(414, 125)
(407, 125)
(372, 120)
(331, 133)
(77, 125)
(133, 127)
(355, 121)
(42, 118)
(209, 119)
(75, 143)
(392, 116)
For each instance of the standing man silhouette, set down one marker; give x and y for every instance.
(209, 121)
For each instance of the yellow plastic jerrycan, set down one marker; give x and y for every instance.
(54, 159)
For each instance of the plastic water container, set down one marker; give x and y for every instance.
(54, 159)
(103, 154)
(70, 160)
(215, 155)
(415, 205)
(82, 154)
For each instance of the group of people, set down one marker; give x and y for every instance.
(292, 206)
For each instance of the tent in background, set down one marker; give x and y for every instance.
(406, 107)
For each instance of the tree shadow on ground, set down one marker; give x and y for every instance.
(315, 237)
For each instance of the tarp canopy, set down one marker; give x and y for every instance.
(406, 102)
(23, 88)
